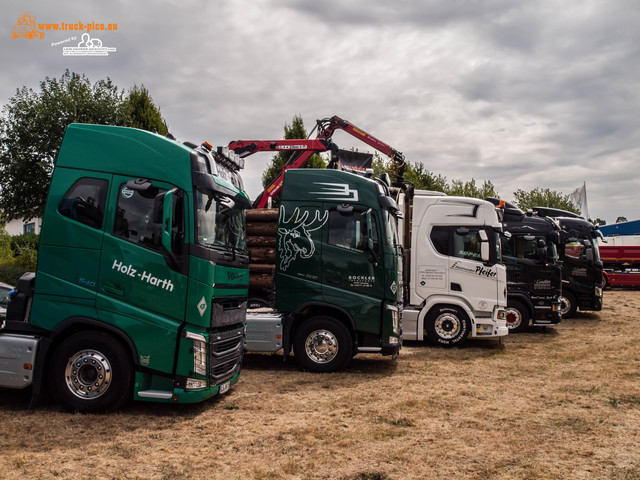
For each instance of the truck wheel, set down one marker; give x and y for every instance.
(322, 344)
(447, 325)
(91, 372)
(568, 304)
(517, 317)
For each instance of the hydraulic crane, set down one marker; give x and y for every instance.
(305, 148)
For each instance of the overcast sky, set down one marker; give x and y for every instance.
(525, 94)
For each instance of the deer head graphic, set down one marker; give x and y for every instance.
(294, 235)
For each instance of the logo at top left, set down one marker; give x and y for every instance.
(26, 27)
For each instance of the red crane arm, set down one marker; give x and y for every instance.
(305, 148)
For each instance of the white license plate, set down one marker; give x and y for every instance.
(224, 388)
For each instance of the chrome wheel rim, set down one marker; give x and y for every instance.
(565, 305)
(88, 374)
(448, 326)
(321, 346)
(514, 318)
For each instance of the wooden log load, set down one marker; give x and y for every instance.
(262, 226)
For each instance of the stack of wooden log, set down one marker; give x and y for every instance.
(262, 226)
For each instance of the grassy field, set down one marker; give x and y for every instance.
(560, 403)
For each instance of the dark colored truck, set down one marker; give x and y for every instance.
(582, 269)
(328, 272)
(534, 275)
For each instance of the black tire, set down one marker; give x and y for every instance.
(568, 304)
(518, 316)
(447, 325)
(91, 372)
(322, 344)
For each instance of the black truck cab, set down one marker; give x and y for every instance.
(582, 270)
(534, 278)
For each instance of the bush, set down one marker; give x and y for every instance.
(11, 270)
(18, 254)
(6, 252)
(25, 241)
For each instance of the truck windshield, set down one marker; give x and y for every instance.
(219, 222)
(390, 229)
(578, 248)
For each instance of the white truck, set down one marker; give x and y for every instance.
(455, 285)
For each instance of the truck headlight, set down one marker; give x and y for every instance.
(195, 384)
(395, 318)
(199, 353)
(598, 291)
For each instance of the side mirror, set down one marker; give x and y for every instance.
(485, 252)
(167, 219)
(589, 253)
(542, 253)
(369, 232)
(163, 213)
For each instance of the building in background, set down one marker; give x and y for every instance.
(21, 226)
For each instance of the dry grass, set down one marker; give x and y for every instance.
(557, 404)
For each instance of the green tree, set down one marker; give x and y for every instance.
(32, 127)
(470, 189)
(139, 111)
(621, 219)
(600, 221)
(294, 131)
(423, 179)
(543, 198)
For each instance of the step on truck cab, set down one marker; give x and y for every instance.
(582, 269)
(142, 276)
(534, 276)
(329, 273)
(457, 285)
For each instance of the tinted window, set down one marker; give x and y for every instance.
(440, 239)
(85, 201)
(134, 217)
(467, 246)
(350, 230)
(576, 250)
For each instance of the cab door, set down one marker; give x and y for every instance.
(353, 275)
(140, 289)
(469, 276)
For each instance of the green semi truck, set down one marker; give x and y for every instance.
(326, 269)
(142, 276)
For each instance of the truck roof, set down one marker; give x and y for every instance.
(125, 151)
(461, 210)
(518, 222)
(319, 184)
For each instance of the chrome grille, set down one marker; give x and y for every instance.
(226, 346)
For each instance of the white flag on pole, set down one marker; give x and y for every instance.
(579, 198)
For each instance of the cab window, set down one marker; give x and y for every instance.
(467, 245)
(349, 230)
(134, 217)
(85, 201)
